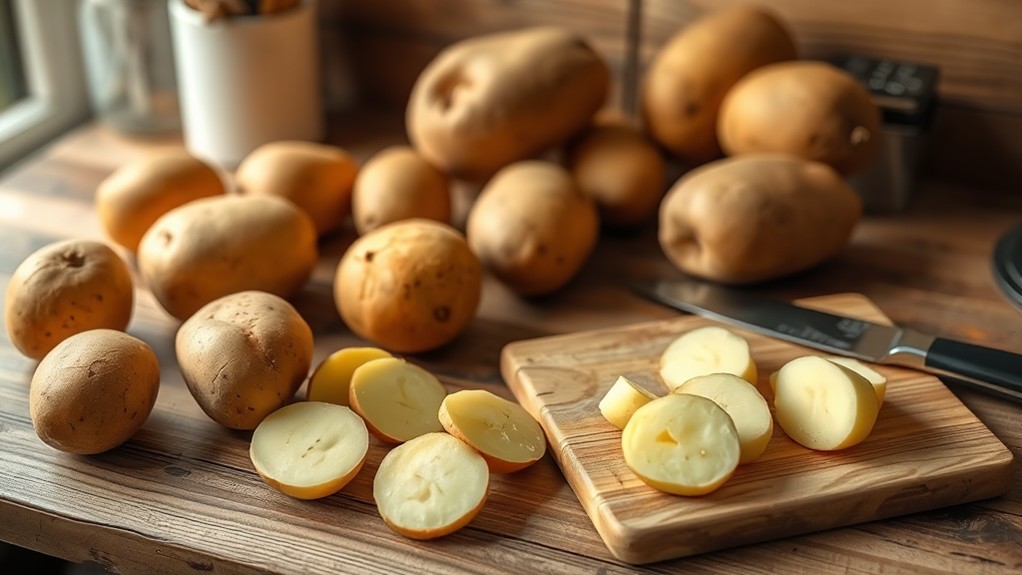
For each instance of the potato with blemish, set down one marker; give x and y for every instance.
(399, 184)
(66, 288)
(244, 356)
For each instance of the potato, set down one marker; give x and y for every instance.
(217, 246)
(502, 431)
(398, 400)
(744, 403)
(706, 350)
(131, 199)
(808, 109)
(243, 356)
(399, 184)
(330, 382)
(753, 218)
(622, 400)
(621, 170)
(66, 288)
(533, 227)
(491, 100)
(318, 178)
(409, 286)
(93, 391)
(690, 75)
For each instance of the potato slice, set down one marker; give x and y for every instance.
(705, 350)
(621, 401)
(506, 435)
(878, 380)
(744, 403)
(332, 377)
(309, 449)
(681, 443)
(398, 400)
(431, 486)
(823, 405)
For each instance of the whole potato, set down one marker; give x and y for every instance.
(93, 391)
(65, 288)
(622, 170)
(399, 184)
(491, 100)
(757, 217)
(409, 286)
(808, 109)
(317, 177)
(533, 227)
(133, 197)
(689, 76)
(243, 356)
(212, 247)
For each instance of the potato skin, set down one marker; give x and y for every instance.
(132, 198)
(757, 217)
(533, 227)
(243, 356)
(66, 288)
(487, 101)
(399, 184)
(317, 178)
(690, 75)
(808, 109)
(409, 286)
(93, 391)
(216, 246)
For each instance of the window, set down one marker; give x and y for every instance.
(42, 85)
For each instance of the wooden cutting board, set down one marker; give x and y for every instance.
(927, 449)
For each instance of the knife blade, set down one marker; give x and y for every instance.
(992, 370)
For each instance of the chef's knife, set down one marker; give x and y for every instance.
(993, 370)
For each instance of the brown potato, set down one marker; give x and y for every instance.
(93, 391)
(409, 286)
(491, 100)
(65, 288)
(399, 184)
(621, 170)
(533, 227)
(317, 177)
(808, 109)
(243, 356)
(216, 246)
(753, 218)
(689, 76)
(133, 197)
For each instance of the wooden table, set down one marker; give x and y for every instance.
(181, 496)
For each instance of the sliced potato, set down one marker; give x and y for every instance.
(331, 379)
(398, 400)
(878, 380)
(743, 402)
(621, 401)
(706, 350)
(507, 436)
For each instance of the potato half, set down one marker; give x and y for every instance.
(507, 436)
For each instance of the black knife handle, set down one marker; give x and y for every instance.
(994, 370)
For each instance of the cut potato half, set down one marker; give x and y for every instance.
(621, 401)
(398, 400)
(823, 405)
(431, 486)
(309, 449)
(876, 379)
(681, 443)
(744, 403)
(331, 379)
(506, 435)
(706, 350)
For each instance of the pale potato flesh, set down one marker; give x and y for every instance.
(744, 403)
(823, 405)
(621, 401)
(507, 436)
(430, 486)
(309, 449)
(878, 380)
(331, 380)
(398, 400)
(706, 350)
(682, 444)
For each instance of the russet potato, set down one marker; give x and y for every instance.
(399, 184)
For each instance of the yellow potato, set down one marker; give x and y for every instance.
(331, 380)
(318, 178)
(622, 400)
(533, 227)
(506, 435)
(131, 199)
(743, 402)
(217, 246)
(93, 391)
(66, 288)
(706, 350)
(398, 184)
(243, 356)
(398, 400)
